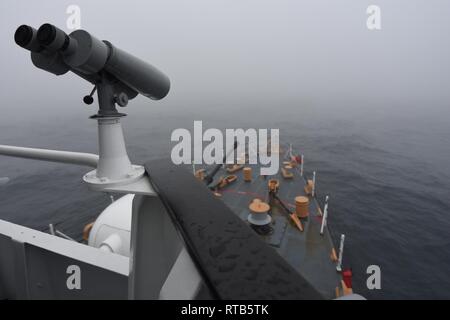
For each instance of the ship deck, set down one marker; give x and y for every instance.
(307, 251)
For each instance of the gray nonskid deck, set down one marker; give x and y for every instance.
(308, 251)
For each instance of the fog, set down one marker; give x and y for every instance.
(369, 109)
(248, 53)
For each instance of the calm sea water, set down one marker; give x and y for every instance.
(387, 177)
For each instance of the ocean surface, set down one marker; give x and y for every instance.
(387, 174)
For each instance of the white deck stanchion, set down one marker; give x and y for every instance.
(51, 229)
(313, 191)
(325, 216)
(301, 165)
(341, 252)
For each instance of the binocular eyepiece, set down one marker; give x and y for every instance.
(54, 51)
(26, 37)
(48, 36)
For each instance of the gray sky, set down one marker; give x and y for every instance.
(250, 51)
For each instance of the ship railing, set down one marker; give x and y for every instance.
(316, 196)
(172, 213)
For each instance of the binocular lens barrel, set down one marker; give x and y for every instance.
(50, 61)
(56, 52)
(26, 37)
(137, 74)
(47, 37)
(23, 35)
(52, 38)
(46, 34)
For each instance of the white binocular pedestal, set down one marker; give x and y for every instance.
(114, 167)
(114, 172)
